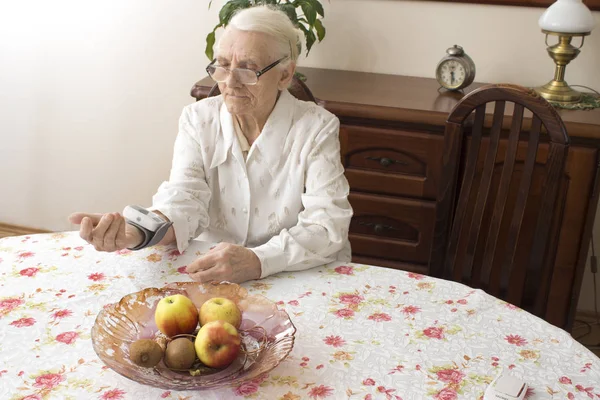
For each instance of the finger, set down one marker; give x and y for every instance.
(121, 240)
(110, 236)
(214, 274)
(77, 218)
(202, 263)
(85, 230)
(218, 246)
(100, 230)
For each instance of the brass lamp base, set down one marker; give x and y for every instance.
(559, 92)
(563, 52)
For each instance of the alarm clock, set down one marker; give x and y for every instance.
(456, 70)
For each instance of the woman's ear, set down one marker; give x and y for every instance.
(287, 76)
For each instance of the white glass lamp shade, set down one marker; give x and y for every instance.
(567, 16)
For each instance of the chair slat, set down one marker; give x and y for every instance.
(476, 134)
(503, 190)
(484, 190)
(538, 271)
(515, 224)
(453, 136)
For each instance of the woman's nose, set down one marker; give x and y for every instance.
(232, 80)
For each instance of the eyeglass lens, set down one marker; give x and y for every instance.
(221, 74)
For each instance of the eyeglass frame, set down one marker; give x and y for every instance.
(258, 73)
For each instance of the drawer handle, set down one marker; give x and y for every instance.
(386, 162)
(378, 228)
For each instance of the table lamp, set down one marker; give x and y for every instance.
(566, 19)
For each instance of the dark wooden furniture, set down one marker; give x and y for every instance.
(495, 238)
(392, 144)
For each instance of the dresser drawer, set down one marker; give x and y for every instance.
(391, 161)
(390, 228)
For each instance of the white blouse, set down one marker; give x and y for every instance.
(288, 201)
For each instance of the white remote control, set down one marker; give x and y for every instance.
(506, 387)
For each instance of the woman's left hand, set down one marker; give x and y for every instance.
(226, 262)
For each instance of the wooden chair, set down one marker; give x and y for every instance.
(297, 89)
(495, 225)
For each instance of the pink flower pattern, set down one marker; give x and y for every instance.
(345, 313)
(67, 337)
(450, 376)
(96, 276)
(516, 340)
(62, 314)
(344, 270)
(434, 332)
(320, 392)
(10, 304)
(410, 310)
(335, 341)
(182, 270)
(353, 299)
(246, 389)
(30, 272)
(446, 394)
(20, 323)
(48, 381)
(565, 381)
(380, 317)
(114, 394)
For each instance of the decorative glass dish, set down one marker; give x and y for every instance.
(267, 336)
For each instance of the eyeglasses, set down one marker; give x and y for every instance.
(244, 76)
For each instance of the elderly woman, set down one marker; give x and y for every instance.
(254, 169)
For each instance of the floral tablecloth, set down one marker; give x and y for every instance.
(363, 332)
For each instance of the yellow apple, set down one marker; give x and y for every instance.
(220, 309)
(217, 344)
(176, 315)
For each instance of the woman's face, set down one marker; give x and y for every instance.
(255, 51)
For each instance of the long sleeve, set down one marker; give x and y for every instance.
(184, 198)
(322, 229)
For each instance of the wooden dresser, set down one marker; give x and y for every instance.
(392, 142)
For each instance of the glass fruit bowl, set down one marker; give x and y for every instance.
(267, 336)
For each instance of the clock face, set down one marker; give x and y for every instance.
(452, 74)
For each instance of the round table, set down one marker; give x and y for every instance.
(363, 332)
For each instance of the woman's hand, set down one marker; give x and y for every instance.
(226, 262)
(107, 232)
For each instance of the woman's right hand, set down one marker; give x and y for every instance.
(107, 232)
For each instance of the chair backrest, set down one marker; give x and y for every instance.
(496, 225)
(297, 88)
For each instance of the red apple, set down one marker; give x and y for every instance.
(220, 309)
(176, 315)
(217, 344)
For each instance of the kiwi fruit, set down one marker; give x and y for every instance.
(145, 353)
(180, 354)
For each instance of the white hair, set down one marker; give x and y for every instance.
(272, 22)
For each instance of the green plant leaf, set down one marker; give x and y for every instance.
(317, 6)
(210, 42)
(320, 29)
(309, 36)
(290, 10)
(309, 11)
